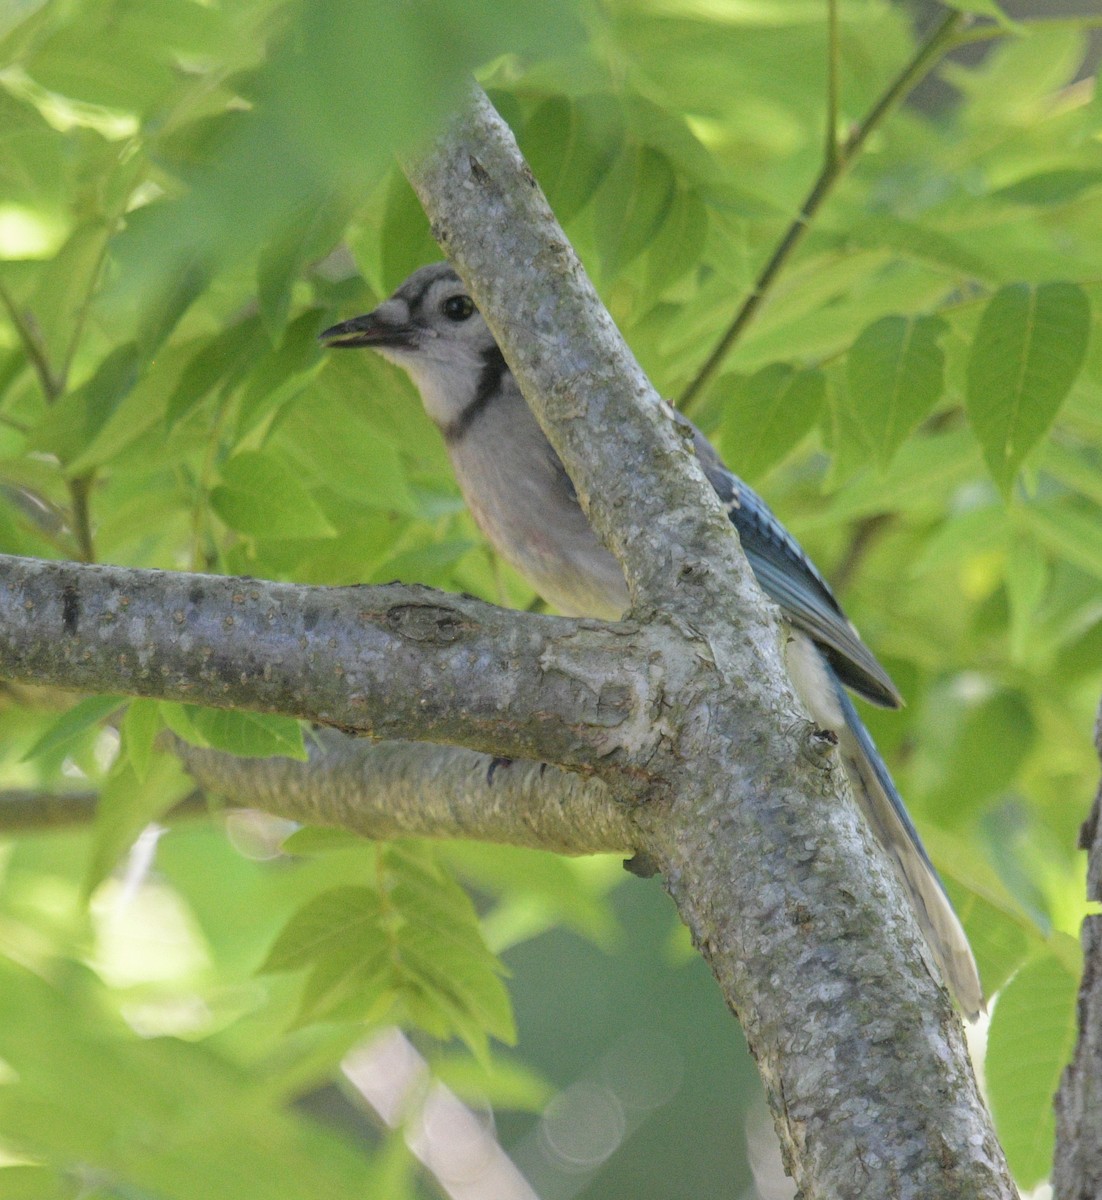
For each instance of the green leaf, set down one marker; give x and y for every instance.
(1050, 187)
(73, 723)
(1028, 350)
(1071, 533)
(224, 357)
(361, 463)
(127, 805)
(505, 1083)
(896, 376)
(72, 424)
(405, 240)
(925, 467)
(281, 374)
(570, 145)
(168, 1117)
(410, 950)
(768, 414)
(635, 200)
(262, 498)
(990, 741)
(167, 304)
(1030, 1042)
(536, 891)
(1081, 471)
(313, 840)
(65, 286)
(140, 727)
(308, 235)
(178, 719)
(236, 731)
(680, 242)
(1027, 577)
(34, 1183)
(342, 925)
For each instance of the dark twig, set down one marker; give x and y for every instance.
(865, 535)
(835, 166)
(79, 489)
(28, 811)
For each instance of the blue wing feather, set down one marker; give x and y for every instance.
(793, 582)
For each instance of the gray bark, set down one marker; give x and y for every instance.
(1077, 1172)
(404, 789)
(385, 661)
(380, 790)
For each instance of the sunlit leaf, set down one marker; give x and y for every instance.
(140, 727)
(183, 1119)
(260, 497)
(407, 947)
(1029, 348)
(570, 145)
(73, 723)
(895, 378)
(767, 415)
(1030, 1041)
(247, 734)
(126, 806)
(636, 197)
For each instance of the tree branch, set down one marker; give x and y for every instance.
(1077, 1172)
(25, 811)
(386, 661)
(380, 790)
(409, 789)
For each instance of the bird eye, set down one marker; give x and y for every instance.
(458, 308)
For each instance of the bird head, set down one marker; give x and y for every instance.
(430, 328)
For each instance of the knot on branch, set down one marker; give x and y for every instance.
(426, 623)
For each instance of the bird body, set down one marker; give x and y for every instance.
(523, 500)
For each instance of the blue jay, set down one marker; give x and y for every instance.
(523, 500)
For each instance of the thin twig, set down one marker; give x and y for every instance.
(200, 509)
(80, 317)
(37, 811)
(32, 344)
(52, 387)
(830, 154)
(865, 534)
(79, 489)
(927, 55)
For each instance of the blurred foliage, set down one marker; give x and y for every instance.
(190, 191)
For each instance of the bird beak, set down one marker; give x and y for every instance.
(368, 330)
